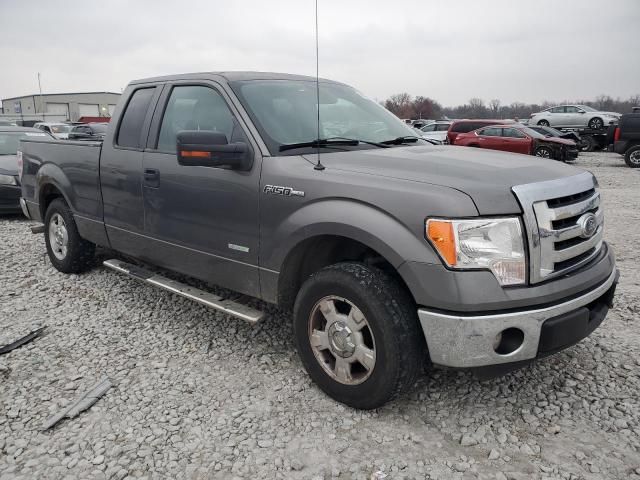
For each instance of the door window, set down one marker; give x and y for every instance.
(196, 107)
(130, 132)
(491, 132)
(513, 133)
(570, 109)
(429, 128)
(557, 110)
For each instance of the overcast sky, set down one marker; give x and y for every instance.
(448, 50)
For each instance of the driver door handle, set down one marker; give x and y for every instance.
(152, 177)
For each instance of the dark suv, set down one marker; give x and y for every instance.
(626, 139)
(466, 126)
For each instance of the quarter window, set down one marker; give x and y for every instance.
(196, 107)
(130, 132)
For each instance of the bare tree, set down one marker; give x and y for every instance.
(494, 106)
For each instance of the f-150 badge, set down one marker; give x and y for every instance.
(284, 191)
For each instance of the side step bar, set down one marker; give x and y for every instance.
(205, 298)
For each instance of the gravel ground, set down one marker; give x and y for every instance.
(199, 395)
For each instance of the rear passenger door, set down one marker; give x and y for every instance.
(121, 172)
(515, 141)
(201, 221)
(491, 137)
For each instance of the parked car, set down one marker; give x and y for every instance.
(385, 249)
(9, 181)
(58, 130)
(573, 116)
(421, 123)
(554, 132)
(89, 131)
(626, 139)
(518, 138)
(465, 126)
(436, 130)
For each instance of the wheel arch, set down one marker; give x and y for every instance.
(319, 251)
(52, 183)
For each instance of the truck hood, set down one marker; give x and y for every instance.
(8, 165)
(487, 176)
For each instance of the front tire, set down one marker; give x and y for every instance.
(596, 123)
(358, 335)
(543, 123)
(68, 252)
(544, 152)
(632, 157)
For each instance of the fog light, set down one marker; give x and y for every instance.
(508, 341)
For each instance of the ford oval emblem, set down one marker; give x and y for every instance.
(589, 224)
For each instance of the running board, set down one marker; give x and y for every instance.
(200, 296)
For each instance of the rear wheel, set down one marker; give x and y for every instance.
(632, 157)
(587, 144)
(358, 335)
(596, 123)
(544, 152)
(68, 252)
(543, 123)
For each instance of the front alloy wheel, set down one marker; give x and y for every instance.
(342, 340)
(596, 123)
(544, 152)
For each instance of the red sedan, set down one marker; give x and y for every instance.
(518, 138)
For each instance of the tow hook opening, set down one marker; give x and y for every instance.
(508, 341)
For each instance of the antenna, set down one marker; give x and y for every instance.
(318, 165)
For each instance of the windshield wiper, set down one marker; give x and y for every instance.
(402, 140)
(330, 142)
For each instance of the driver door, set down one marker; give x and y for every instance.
(202, 221)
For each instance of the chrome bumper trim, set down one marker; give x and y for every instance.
(467, 341)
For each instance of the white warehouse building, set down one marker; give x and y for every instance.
(56, 107)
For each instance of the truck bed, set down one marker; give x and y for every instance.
(79, 163)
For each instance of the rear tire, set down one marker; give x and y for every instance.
(68, 252)
(543, 123)
(595, 123)
(632, 157)
(587, 144)
(386, 334)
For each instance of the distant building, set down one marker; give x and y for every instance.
(55, 107)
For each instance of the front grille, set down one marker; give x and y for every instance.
(556, 215)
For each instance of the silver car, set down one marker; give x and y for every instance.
(436, 130)
(575, 116)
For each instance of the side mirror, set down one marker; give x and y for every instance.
(581, 111)
(201, 148)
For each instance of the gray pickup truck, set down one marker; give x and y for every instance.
(391, 253)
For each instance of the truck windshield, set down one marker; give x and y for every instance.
(285, 113)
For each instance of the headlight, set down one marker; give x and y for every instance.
(494, 244)
(8, 180)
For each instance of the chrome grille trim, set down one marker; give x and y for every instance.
(541, 235)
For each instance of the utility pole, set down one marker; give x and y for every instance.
(41, 104)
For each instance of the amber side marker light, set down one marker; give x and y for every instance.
(440, 233)
(195, 154)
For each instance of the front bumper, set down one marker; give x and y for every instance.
(464, 341)
(10, 199)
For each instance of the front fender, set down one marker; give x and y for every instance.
(355, 220)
